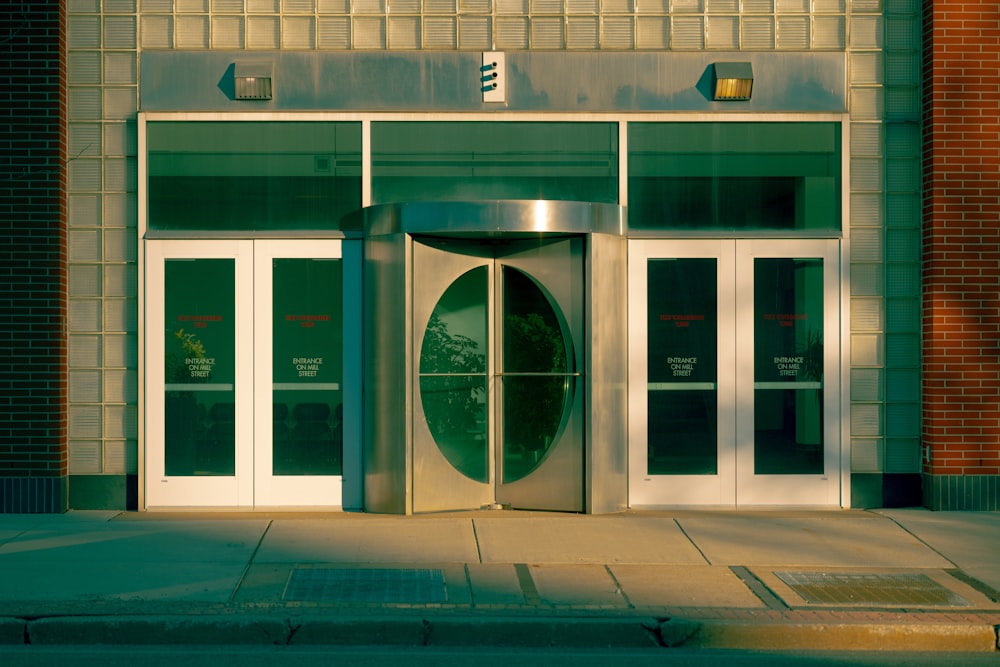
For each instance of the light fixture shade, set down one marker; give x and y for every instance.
(253, 80)
(731, 81)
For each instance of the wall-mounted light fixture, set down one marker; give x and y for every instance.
(493, 77)
(253, 79)
(731, 81)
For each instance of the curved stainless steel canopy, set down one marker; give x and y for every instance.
(494, 218)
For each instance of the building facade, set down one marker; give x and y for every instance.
(561, 255)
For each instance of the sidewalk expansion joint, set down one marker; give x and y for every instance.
(475, 536)
(527, 584)
(692, 542)
(988, 591)
(759, 588)
(619, 589)
(913, 535)
(246, 570)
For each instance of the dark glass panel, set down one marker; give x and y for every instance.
(788, 366)
(682, 364)
(200, 367)
(453, 375)
(307, 355)
(458, 161)
(536, 384)
(533, 341)
(683, 434)
(534, 407)
(235, 175)
(455, 410)
(734, 176)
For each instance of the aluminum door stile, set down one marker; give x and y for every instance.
(653, 490)
(271, 489)
(792, 489)
(161, 490)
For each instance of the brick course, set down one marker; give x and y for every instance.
(33, 423)
(961, 238)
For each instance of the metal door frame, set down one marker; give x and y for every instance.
(557, 482)
(251, 313)
(388, 455)
(734, 485)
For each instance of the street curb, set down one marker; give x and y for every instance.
(846, 636)
(11, 631)
(503, 631)
(125, 630)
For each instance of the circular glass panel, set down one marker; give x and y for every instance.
(537, 374)
(453, 386)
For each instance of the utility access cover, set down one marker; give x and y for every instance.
(896, 590)
(379, 585)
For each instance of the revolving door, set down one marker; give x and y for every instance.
(486, 385)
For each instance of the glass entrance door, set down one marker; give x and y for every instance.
(298, 373)
(734, 367)
(498, 395)
(244, 373)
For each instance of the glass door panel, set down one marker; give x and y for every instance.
(198, 384)
(307, 401)
(734, 372)
(299, 362)
(683, 388)
(537, 386)
(244, 371)
(788, 366)
(497, 414)
(199, 367)
(452, 396)
(681, 421)
(453, 378)
(788, 439)
(538, 369)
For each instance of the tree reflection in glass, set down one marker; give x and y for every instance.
(453, 375)
(535, 375)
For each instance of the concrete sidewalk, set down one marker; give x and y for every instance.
(893, 579)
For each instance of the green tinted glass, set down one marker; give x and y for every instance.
(453, 375)
(476, 161)
(682, 398)
(252, 175)
(788, 366)
(200, 367)
(307, 392)
(536, 371)
(734, 176)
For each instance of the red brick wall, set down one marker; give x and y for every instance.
(33, 373)
(961, 348)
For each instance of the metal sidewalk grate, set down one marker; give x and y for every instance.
(329, 584)
(906, 590)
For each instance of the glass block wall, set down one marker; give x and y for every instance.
(494, 24)
(881, 39)
(884, 70)
(102, 44)
(903, 234)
